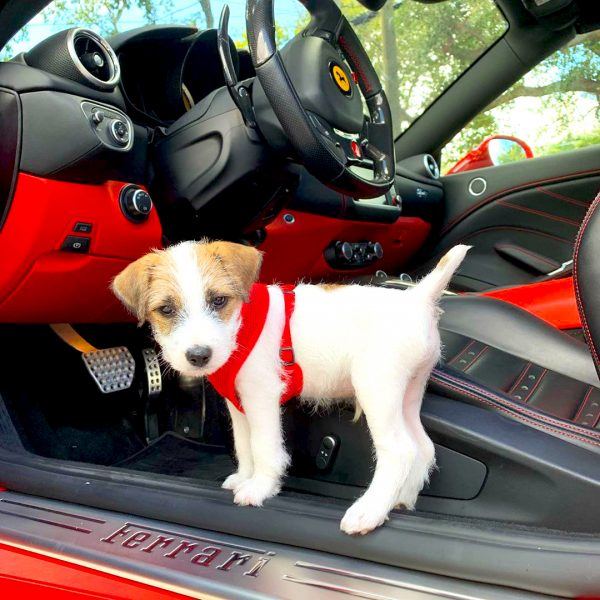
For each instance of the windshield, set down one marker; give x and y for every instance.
(417, 49)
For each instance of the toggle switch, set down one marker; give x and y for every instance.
(326, 453)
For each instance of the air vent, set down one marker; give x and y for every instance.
(431, 166)
(94, 58)
(77, 54)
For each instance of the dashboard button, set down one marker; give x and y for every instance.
(119, 131)
(120, 128)
(135, 203)
(81, 227)
(141, 203)
(97, 116)
(344, 251)
(375, 249)
(75, 243)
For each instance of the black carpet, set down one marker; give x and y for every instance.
(172, 454)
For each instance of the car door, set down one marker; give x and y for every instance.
(522, 217)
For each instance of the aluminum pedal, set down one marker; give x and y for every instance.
(112, 368)
(153, 373)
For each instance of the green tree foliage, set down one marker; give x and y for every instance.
(556, 89)
(427, 46)
(571, 142)
(106, 16)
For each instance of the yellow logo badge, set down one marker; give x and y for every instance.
(341, 79)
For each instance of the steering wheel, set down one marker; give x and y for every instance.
(322, 114)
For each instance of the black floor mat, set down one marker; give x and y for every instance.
(172, 454)
(56, 408)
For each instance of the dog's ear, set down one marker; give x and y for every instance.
(241, 262)
(131, 285)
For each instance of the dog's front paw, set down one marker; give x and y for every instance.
(254, 491)
(235, 480)
(363, 516)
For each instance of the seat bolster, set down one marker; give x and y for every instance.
(515, 331)
(586, 277)
(449, 384)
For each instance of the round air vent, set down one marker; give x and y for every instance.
(80, 55)
(94, 57)
(431, 166)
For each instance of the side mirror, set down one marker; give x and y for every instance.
(506, 149)
(494, 150)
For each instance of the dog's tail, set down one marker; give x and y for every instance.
(437, 281)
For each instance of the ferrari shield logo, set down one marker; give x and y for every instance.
(341, 79)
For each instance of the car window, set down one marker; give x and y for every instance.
(418, 49)
(109, 17)
(553, 108)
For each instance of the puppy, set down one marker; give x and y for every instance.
(373, 344)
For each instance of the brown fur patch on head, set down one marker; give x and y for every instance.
(163, 291)
(231, 269)
(132, 285)
(149, 288)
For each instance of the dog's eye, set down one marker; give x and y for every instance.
(219, 301)
(167, 310)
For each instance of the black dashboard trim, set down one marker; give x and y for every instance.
(22, 79)
(150, 32)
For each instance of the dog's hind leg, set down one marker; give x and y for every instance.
(243, 449)
(381, 398)
(425, 459)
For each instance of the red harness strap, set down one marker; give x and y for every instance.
(291, 369)
(253, 317)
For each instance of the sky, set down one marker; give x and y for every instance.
(287, 13)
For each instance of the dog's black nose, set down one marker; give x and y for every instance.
(198, 355)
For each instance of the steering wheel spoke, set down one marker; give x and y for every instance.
(347, 146)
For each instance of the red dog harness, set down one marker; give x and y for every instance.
(253, 317)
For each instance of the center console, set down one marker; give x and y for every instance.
(338, 237)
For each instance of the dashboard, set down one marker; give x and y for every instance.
(92, 129)
(168, 70)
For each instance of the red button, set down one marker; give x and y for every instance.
(355, 147)
(355, 77)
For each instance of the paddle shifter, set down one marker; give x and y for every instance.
(239, 93)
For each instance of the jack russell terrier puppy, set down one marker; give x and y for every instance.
(260, 345)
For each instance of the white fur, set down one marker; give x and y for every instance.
(375, 344)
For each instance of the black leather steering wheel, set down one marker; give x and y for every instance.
(322, 115)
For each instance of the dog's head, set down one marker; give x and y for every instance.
(191, 294)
